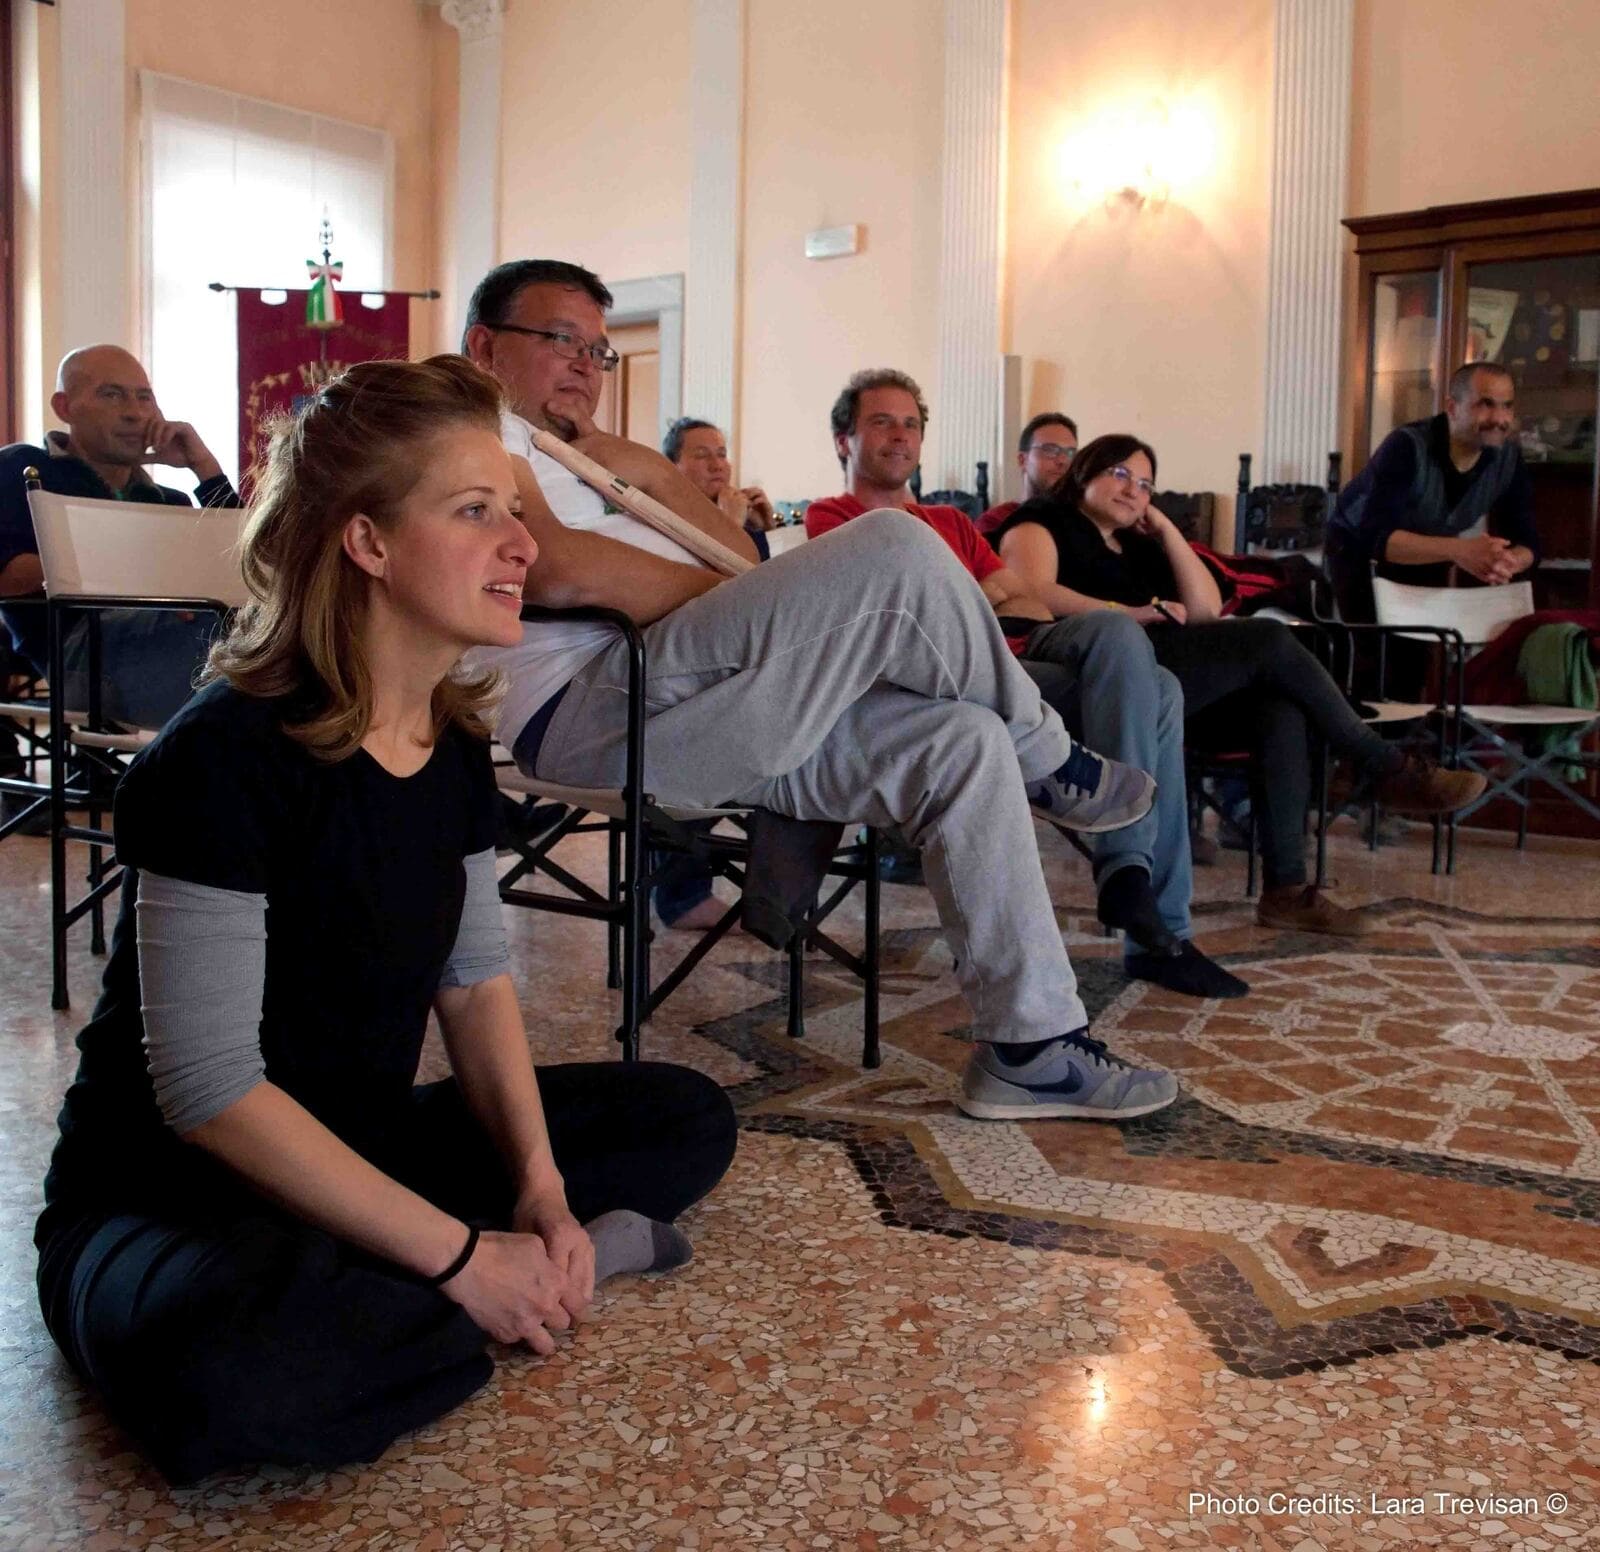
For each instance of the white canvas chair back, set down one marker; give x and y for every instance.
(1479, 613)
(133, 550)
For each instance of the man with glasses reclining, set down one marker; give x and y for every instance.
(862, 680)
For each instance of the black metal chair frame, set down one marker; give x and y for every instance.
(625, 905)
(89, 782)
(1349, 633)
(24, 713)
(1448, 717)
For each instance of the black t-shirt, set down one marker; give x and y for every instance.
(362, 873)
(1088, 565)
(1457, 482)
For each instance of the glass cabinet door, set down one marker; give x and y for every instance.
(1540, 318)
(1402, 374)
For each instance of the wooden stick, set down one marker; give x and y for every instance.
(637, 504)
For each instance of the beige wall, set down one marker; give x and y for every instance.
(594, 155)
(37, 260)
(1149, 320)
(367, 61)
(444, 328)
(843, 124)
(1459, 100)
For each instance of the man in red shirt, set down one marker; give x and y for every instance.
(1044, 450)
(1095, 669)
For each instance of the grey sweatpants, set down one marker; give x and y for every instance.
(861, 678)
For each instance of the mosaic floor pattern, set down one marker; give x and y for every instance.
(1345, 1293)
(1373, 1150)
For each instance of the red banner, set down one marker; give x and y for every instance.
(281, 361)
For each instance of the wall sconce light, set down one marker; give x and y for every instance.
(1139, 172)
(1134, 157)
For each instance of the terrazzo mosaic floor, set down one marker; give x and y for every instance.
(1346, 1293)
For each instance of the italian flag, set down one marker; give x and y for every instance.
(323, 309)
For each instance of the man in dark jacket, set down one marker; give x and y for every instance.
(113, 426)
(1449, 491)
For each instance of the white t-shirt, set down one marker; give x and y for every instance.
(553, 652)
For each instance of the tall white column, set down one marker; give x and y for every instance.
(93, 194)
(716, 212)
(477, 216)
(966, 413)
(1310, 153)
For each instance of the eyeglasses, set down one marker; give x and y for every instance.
(1124, 476)
(568, 346)
(1053, 450)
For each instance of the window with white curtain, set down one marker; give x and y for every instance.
(235, 190)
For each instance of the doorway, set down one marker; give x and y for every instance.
(630, 398)
(644, 322)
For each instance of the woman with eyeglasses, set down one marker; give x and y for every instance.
(262, 1239)
(1095, 542)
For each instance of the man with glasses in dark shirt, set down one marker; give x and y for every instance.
(1044, 450)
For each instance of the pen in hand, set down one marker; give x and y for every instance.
(1165, 613)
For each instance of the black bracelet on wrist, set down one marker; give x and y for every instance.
(460, 1261)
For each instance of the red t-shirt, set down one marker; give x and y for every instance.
(951, 525)
(995, 516)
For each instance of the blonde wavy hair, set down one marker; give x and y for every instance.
(360, 445)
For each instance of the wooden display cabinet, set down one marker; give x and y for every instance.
(1516, 282)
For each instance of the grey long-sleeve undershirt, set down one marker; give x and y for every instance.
(203, 969)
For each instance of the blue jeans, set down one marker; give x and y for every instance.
(148, 662)
(1099, 672)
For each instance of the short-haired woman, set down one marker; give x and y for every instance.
(262, 1241)
(1095, 542)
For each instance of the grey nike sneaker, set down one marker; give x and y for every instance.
(1092, 794)
(1075, 1078)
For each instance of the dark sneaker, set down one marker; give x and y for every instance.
(1307, 909)
(1073, 1078)
(1423, 786)
(1091, 794)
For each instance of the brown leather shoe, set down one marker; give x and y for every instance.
(1423, 786)
(1304, 908)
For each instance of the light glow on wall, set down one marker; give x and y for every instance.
(1139, 153)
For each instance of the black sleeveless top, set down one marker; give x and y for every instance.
(1087, 564)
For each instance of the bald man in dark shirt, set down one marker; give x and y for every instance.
(1448, 491)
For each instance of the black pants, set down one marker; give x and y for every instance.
(251, 1336)
(1405, 665)
(1250, 684)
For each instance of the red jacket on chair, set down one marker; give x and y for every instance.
(1491, 676)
